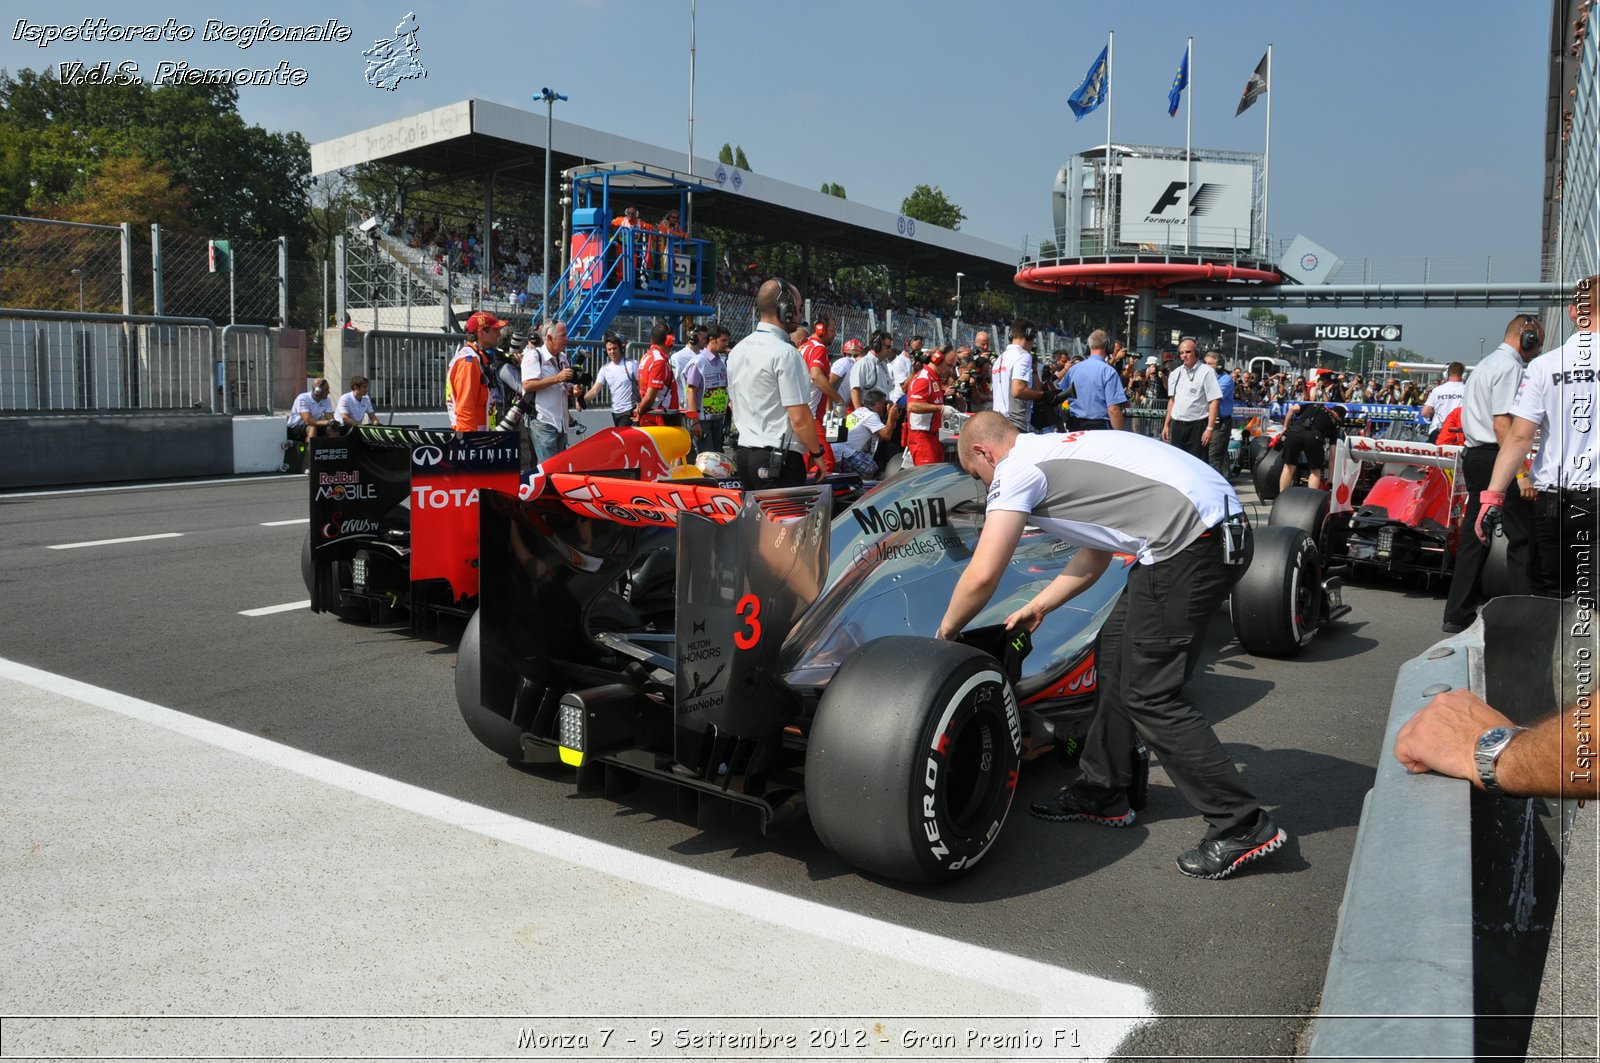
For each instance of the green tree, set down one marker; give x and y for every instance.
(241, 180)
(831, 188)
(739, 160)
(933, 206)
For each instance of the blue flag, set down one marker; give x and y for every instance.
(1092, 93)
(1179, 83)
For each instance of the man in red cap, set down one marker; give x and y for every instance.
(469, 380)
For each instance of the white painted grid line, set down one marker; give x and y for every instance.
(268, 610)
(113, 542)
(285, 523)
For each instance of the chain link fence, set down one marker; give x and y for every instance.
(58, 265)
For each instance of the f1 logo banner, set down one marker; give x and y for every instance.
(446, 482)
(1167, 201)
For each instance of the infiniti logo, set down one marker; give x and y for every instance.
(427, 455)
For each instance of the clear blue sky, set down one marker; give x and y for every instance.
(1400, 128)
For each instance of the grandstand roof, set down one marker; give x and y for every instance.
(474, 138)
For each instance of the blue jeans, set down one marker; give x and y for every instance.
(547, 441)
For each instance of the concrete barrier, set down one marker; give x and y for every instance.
(1453, 893)
(99, 448)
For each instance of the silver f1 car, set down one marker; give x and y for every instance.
(756, 648)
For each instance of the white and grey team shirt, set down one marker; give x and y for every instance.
(1443, 399)
(1016, 363)
(1192, 391)
(358, 410)
(901, 370)
(1558, 394)
(307, 408)
(1115, 491)
(1491, 390)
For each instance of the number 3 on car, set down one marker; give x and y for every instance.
(749, 608)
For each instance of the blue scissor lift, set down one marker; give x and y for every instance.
(618, 270)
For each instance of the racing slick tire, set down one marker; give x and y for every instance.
(497, 733)
(912, 759)
(1265, 473)
(1303, 508)
(1277, 604)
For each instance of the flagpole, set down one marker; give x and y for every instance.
(1188, 140)
(1105, 241)
(1266, 166)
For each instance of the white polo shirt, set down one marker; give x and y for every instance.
(901, 369)
(307, 408)
(1558, 394)
(1491, 390)
(1192, 391)
(765, 376)
(620, 379)
(869, 373)
(358, 410)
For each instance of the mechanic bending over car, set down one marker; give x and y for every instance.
(1308, 431)
(1115, 492)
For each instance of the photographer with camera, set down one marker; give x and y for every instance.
(547, 381)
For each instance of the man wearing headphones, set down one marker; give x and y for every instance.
(767, 386)
(1012, 378)
(658, 399)
(925, 410)
(814, 352)
(312, 410)
(1485, 422)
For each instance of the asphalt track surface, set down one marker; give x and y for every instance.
(1234, 967)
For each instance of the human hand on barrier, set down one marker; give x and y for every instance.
(1491, 509)
(1442, 735)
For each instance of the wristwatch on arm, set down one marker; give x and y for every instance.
(1486, 754)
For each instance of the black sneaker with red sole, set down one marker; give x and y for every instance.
(1220, 857)
(1067, 806)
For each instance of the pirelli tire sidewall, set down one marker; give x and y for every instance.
(912, 759)
(1276, 606)
(1301, 507)
(497, 733)
(1266, 473)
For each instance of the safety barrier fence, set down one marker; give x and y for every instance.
(1452, 894)
(62, 361)
(407, 369)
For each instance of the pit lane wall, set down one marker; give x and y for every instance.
(1448, 912)
(59, 450)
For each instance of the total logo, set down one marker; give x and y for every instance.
(443, 497)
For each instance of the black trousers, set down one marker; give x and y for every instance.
(1461, 605)
(752, 464)
(1085, 424)
(1217, 452)
(1564, 536)
(1186, 437)
(1149, 648)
